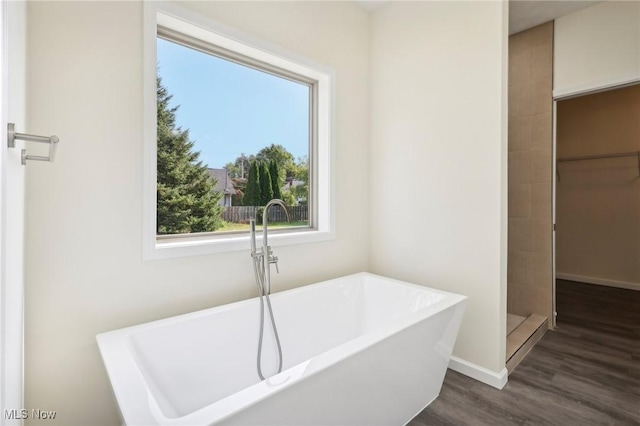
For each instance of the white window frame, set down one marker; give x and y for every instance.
(191, 24)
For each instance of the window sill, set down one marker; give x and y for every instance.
(197, 246)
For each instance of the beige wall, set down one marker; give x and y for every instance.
(439, 145)
(84, 271)
(530, 172)
(598, 201)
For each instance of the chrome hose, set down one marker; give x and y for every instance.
(259, 275)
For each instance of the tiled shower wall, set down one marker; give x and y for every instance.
(529, 288)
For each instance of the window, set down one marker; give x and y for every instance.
(229, 125)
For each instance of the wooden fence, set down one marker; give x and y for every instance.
(242, 214)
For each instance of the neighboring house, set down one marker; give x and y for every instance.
(224, 185)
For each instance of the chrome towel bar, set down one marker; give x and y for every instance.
(12, 136)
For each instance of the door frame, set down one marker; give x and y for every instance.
(12, 189)
(558, 98)
(3, 208)
(554, 174)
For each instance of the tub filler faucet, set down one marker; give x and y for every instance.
(265, 256)
(262, 261)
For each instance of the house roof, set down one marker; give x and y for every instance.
(223, 181)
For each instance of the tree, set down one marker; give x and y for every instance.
(252, 193)
(239, 169)
(266, 189)
(276, 182)
(240, 185)
(186, 201)
(279, 164)
(233, 170)
(288, 198)
(301, 173)
(282, 157)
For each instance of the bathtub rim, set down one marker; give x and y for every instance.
(116, 347)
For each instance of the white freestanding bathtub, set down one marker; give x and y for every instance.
(358, 350)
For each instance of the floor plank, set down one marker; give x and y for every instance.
(586, 372)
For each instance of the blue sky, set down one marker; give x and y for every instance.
(231, 109)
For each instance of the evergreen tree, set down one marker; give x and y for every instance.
(266, 190)
(274, 172)
(252, 192)
(186, 201)
(281, 156)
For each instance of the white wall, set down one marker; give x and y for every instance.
(597, 47)
(439, 146)
(85, 273)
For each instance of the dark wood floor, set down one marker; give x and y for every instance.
(586, 372)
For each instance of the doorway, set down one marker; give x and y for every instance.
(597, 188)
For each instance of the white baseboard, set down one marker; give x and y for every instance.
(481, 374)
(599, 281)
